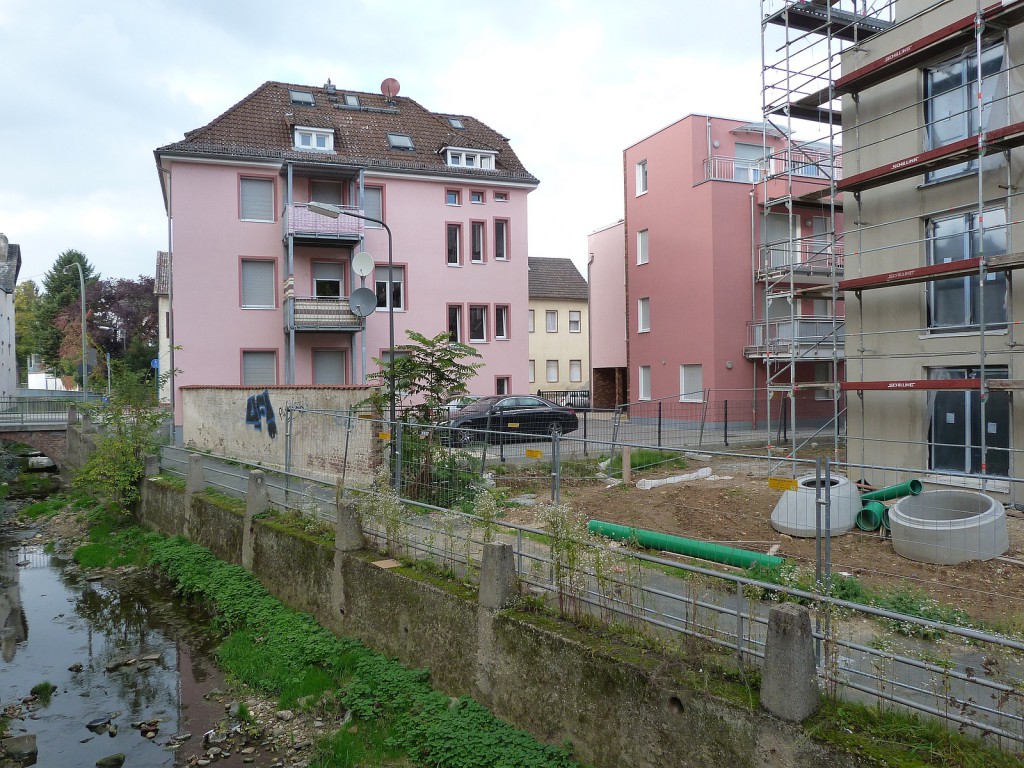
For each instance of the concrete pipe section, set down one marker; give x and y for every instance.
(948, 527)
(796, 512)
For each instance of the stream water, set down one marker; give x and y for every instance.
(119, 652)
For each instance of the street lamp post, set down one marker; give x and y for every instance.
(333, 211)
(85, 362)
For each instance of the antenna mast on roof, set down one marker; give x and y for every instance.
(390, 88)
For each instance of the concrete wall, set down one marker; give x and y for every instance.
(215, 422)
(617, 708)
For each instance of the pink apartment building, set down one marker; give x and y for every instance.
(259, 284)
(717, 269)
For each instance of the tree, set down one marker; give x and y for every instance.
(130, 421)
(26, 302)
(61, 290)
(428, 372)
(123, 320)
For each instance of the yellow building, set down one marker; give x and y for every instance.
(559, 327)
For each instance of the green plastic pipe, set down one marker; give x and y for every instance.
(885, 519)
(909, 488)
(870, 517)
(703, 550)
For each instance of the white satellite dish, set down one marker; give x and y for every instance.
(362, 264)
(362, 302)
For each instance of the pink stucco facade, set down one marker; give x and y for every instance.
(212, 328)
(691, 298)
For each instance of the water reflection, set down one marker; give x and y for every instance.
(116, 653)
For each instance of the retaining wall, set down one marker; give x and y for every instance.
(617, 707)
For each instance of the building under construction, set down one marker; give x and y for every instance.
(920, 105)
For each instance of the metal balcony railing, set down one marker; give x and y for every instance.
(318, 313)
(806, 333)
(299, 220)
(809, 255)
(803, 163)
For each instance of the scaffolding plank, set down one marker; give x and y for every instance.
(996, 140)
(964, 268)
(944, 40)
(893, 385)
(818, 18)
(815, 107)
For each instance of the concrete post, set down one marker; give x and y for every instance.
(72, 414)
(348, 533)
(152, 466)
(257, 501)
(789, 679)
(87, 425)
(195, 482)
(627, 464)
(498, 583)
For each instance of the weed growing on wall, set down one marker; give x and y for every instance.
(381, 510)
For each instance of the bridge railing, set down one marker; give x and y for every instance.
(33, 411)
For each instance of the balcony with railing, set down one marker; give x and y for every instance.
(320, 313)
(305, 225)
(806, 337)
(806, 164)
(811, 260)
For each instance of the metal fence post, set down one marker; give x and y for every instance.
(344, 455)
(725, 426)
(396, 435)
(585, 433)
(659, 423)
(739, 622)
(556, 468)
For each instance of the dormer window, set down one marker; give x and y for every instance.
(456, 123)
(465, 158)
(401, 141)
(351, 100)
(314, 139)
(302, 98)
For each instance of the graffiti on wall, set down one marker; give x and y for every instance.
(257, 410)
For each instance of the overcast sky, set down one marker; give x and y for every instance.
(89, 90)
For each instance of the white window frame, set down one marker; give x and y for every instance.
(643, 315)
(642, 255)
(641, 178)
(691, 383)
(501, 197)
(549, 367)
(453, 197)
(453, 257)
(644, 383)
(532, 321)
(575, 321)
(264, 270)
(501, 316)
(457, 336)
(501, 239)
(459, 157)
(502, 385)
(350, 99)
(477, 242)
(551, 321)
(380, 278)
(532, 371)
(314, 139)
(575, 371)
(480, 311)
(401, 141)
(476, 197)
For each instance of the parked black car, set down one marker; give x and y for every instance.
(519, 416)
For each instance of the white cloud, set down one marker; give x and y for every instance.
(92, 89)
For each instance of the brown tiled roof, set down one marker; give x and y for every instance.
(555, 278)
(261, 126)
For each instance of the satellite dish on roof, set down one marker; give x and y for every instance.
(362, 302)
(362, 264)
(390, 88)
